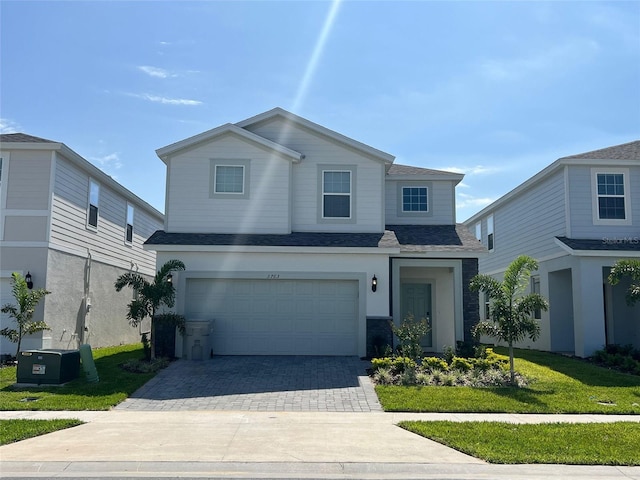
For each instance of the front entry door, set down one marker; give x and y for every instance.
(415, 299)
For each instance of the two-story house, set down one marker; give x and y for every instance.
(577, 217)
(74, 230)
(300, 240)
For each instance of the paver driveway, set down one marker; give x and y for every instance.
(260, 383)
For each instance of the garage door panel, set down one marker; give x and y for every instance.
(277, 317)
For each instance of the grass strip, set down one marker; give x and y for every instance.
(558, 384)
(21, 429)
(555, 443)
(114, 386)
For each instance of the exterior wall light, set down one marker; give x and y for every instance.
(169, 278)
(29, 280)
(374, 283)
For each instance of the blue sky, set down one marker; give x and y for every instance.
(495, 90)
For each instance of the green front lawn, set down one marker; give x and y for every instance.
(114, 386)
(16, 430)
(558, 384)
(576, 444)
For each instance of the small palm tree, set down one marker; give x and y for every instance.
(511, 311)
(26, 303)
(627, 268)
(149, 296)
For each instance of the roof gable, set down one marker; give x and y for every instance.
(166, 152)
(318, 129)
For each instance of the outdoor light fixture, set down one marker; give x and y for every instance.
(169, 278)
(374, 283)
(29, 281)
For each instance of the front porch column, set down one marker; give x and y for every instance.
(588, 307)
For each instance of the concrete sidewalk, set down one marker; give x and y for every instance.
(192, 444)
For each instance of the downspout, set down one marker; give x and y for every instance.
(86, 297)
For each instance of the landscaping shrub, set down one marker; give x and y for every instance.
(624, 358)
(491, 370)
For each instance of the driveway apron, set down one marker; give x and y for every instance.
(259, 383)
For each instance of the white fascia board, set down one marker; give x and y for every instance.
(30, 145)
(166, 152)
(260, 249)
(447, 254)
(386, 157)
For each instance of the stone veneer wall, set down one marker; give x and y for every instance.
(379, 335)
(470, 300)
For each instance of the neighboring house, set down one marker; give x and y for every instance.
(299, 240)
(576, 217)
(75, 230)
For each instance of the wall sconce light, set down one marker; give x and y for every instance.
(169, 278)
(29, 280)
(374, 283)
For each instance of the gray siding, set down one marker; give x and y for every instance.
(526, 225)
(191, 208)
(441, 208)
(69, 217)
(581, 205)
(320, 150)
(27, 180)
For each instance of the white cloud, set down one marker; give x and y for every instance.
(165, 100)
(107, 162)
(9, 126)
(466, 200)
(476, 170)
(156, 72)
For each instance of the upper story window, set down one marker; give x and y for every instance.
(0, 171)
(94, 197)
(128, 238)
(414, 199)
(490, 239)
(336, 194)
(479, 231)
(229, 178)
(611, 196)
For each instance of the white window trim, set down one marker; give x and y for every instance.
(351, 169)
(225, 162)
(479, 231)
(89, 226)
(594, 196)
(490, 234)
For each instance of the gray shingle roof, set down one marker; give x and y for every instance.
(396, 169)
(622, 244)
(626, 151)
(409, 238)
(22, 138)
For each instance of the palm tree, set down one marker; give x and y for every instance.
(149, 296)
(511, 311)
(26, 303)
(630, 268)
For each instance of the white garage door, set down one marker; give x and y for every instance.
(277, 317)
